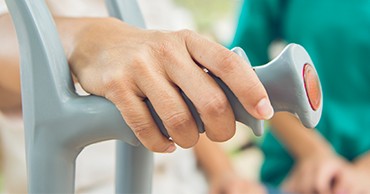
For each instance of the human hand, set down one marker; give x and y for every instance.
(234, 184)
(314, 173)
(351, 179)
(127, 65)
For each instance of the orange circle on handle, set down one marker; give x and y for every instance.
(312, 86)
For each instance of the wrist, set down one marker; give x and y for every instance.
(76, 31)
(89, 35)
(94, 37)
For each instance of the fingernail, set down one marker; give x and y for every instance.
(265, 109)
(171, 149)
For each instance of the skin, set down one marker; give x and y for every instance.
(352, 179)
(318, 169)
(126, 65)
(223, 179)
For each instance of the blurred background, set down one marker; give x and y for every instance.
(214, 18)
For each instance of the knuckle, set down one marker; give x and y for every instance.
(164, 47)
(228, 61)
(111, 80)
(177, 120)
(218, 105)
(139, 65)
(141, 129)
(188, 37)
(144, 131)
(120, 94)
(114, 90)
(252, 87)
(120, 79)
(185, 33)
(138, 59)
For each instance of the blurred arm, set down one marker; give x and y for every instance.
(10, 97)
(221, 175)
(9, 68)
(212, 158)
(316, 163)
(298, 140)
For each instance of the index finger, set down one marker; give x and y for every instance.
(234, 71)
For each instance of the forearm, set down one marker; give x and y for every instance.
(68, 29)
(9, 60)
(297, 139)
(212, 158)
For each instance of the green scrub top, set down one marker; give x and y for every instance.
(336, 34)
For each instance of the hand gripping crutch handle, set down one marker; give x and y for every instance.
(283, 78)
(286, 80)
